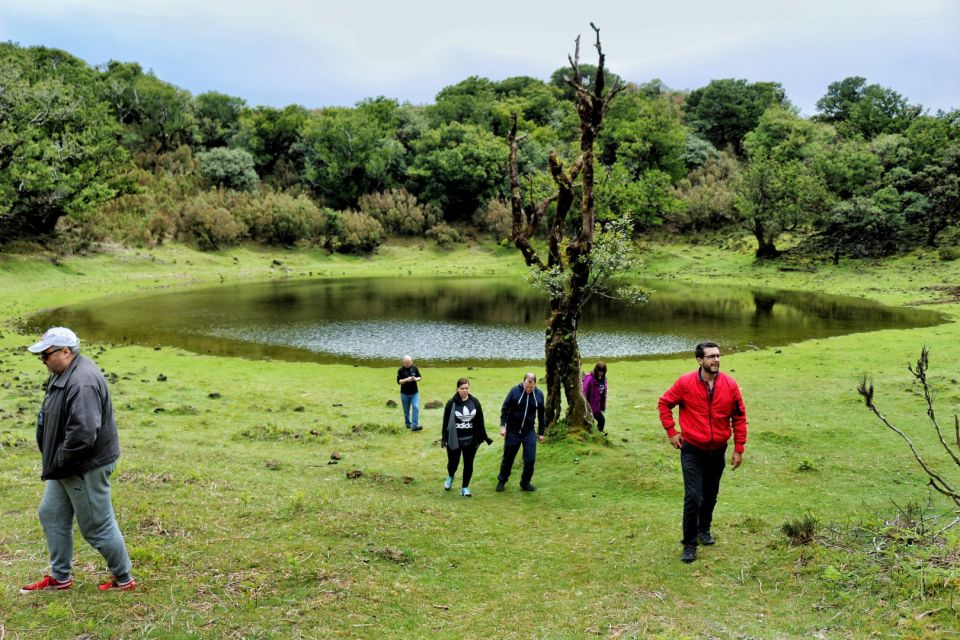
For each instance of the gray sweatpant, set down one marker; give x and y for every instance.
(86, 497)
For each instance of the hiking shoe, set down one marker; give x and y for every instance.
(48, 583)
(706, 538)
(689, 554)
(465, 492)
(113, 585)
(500, 486)
(448, 483)
(527, 487)
(416, 427)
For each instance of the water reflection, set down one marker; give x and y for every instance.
(482, 321)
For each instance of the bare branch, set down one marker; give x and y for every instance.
(936, 481)
(921, 375)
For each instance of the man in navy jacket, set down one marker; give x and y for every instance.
(522, 406)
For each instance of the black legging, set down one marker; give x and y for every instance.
(601, 420)
(453, 461)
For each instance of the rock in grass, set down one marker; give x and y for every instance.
(273, 465)
(392, 404)
(353, 475)
(161, 378)
(433, 404)
(336, 456)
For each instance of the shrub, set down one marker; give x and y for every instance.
(358, 233)
(279, 218)
(398, 212)
(708, 196)
(496, 218)
(205, 221)
(444, 234)
(800, 530)
(863, 227)
(229, 168)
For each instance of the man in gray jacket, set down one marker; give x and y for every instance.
(79, 447)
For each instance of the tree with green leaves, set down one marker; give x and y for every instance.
(60, 150)
(858, 108)
(352, 152)
(724, 111)
(274, 139)
(218, 118)
(457, 168)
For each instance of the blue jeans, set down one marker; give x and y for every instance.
(86, 497)
(408, 400)
(512, 444)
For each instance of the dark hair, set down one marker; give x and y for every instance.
(600, 367)
(461, 382)
(698, 351)
(530, 375)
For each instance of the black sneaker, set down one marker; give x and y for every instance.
(527, 487)
(705, 538)
(689, 554)
(500, 486)
(416, 427)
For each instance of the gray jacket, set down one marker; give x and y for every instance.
(75, 429)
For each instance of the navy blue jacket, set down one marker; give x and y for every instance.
(520, 409)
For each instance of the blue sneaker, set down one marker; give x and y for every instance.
(448, 483)
(465, 492)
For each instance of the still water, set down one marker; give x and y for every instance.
(462, 320)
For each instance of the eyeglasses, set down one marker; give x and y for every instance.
(44, 356)
(713, 356)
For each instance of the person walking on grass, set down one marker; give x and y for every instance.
(461, 433)
(711, 408)
(407, 377)
(595, 391)
(522, 407)
(79, 448)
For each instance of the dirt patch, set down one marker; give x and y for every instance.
(946, 294)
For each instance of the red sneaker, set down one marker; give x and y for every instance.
(48, 583)
(113, 585)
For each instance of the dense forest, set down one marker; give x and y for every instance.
(114, 154)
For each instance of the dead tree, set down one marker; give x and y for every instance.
(937, 481)
(568, 265)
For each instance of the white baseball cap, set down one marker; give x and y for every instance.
(55, 337)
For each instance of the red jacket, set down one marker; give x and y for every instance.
(705, 421)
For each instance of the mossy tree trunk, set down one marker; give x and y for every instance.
(568, 251)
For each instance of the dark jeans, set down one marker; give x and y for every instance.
(701, 484)
(453, 461)
(511, 444)
(601, 420)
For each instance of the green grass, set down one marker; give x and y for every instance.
(239, 528)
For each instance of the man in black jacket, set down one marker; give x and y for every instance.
(522, 406)
(79, 448)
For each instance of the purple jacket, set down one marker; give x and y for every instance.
(595, 392)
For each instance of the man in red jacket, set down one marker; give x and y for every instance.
(710, 408)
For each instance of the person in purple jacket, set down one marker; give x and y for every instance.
(595, 390)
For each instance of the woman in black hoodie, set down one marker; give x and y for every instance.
(462, 432)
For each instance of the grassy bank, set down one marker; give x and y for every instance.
(240, 528)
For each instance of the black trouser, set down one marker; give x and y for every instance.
(601, 420)
(512, 444)
(453, 461)
(701, 484)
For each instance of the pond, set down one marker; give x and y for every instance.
(477, 321)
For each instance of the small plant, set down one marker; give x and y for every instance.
(806, 465)
(800, 530)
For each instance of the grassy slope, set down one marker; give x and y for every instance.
(238, 527)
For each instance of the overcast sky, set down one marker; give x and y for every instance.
(315, 53)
